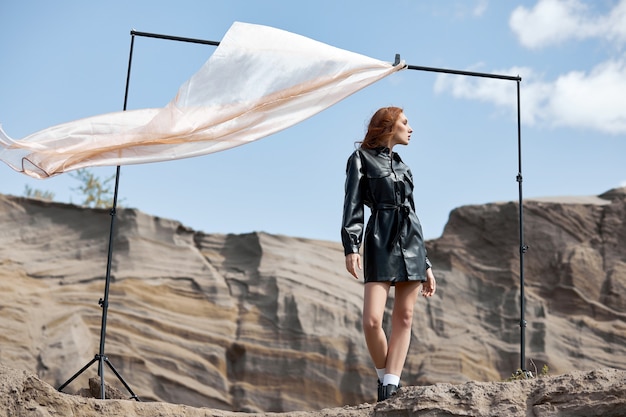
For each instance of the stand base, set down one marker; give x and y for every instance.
(101, 359)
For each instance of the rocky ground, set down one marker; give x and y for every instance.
(577, 394)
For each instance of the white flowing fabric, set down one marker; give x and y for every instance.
(259, 80)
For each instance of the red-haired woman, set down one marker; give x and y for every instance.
(393, 244)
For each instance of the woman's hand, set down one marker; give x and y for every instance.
(353, 261)
(430, 286)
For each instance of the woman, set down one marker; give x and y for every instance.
(393, 248)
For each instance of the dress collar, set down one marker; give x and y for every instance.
(383, 149)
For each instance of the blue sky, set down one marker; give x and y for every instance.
(62, 61)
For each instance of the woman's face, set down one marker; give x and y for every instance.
(403, 132)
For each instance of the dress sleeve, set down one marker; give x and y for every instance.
(353, 210)
(409, 177)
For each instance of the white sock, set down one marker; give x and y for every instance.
(380, 373)
(390, 379)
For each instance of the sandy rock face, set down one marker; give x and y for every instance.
(258, 322)
(250, 322)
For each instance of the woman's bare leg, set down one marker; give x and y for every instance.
(401, 321)
(374, 300)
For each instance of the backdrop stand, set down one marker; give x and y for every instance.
(101, 357)
(522, 246)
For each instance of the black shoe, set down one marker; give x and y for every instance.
(389, 391)
(381, 391)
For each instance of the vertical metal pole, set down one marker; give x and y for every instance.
(105, 302)
(130, 61)
(522, 247)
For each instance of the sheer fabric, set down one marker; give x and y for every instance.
(258, 81)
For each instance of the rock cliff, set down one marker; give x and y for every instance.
(260, 322)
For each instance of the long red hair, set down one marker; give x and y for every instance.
(382, 127)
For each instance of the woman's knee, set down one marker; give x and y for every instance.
(372, 322)
(403, 317)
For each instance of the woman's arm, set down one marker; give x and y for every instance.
(353, 211)
(353, 214)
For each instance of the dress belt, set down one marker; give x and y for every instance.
(403, 211)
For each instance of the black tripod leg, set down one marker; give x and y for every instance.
(133, 395)
(83, 369)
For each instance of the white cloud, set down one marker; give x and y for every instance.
(594, 100)
(501, 93)
(480, 8)
(552, 22)
(481, 89)
(460, 9)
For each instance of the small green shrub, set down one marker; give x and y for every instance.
(520, 374)
(38, 194)
(97, 193)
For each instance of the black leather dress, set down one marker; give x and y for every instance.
(393, 248)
